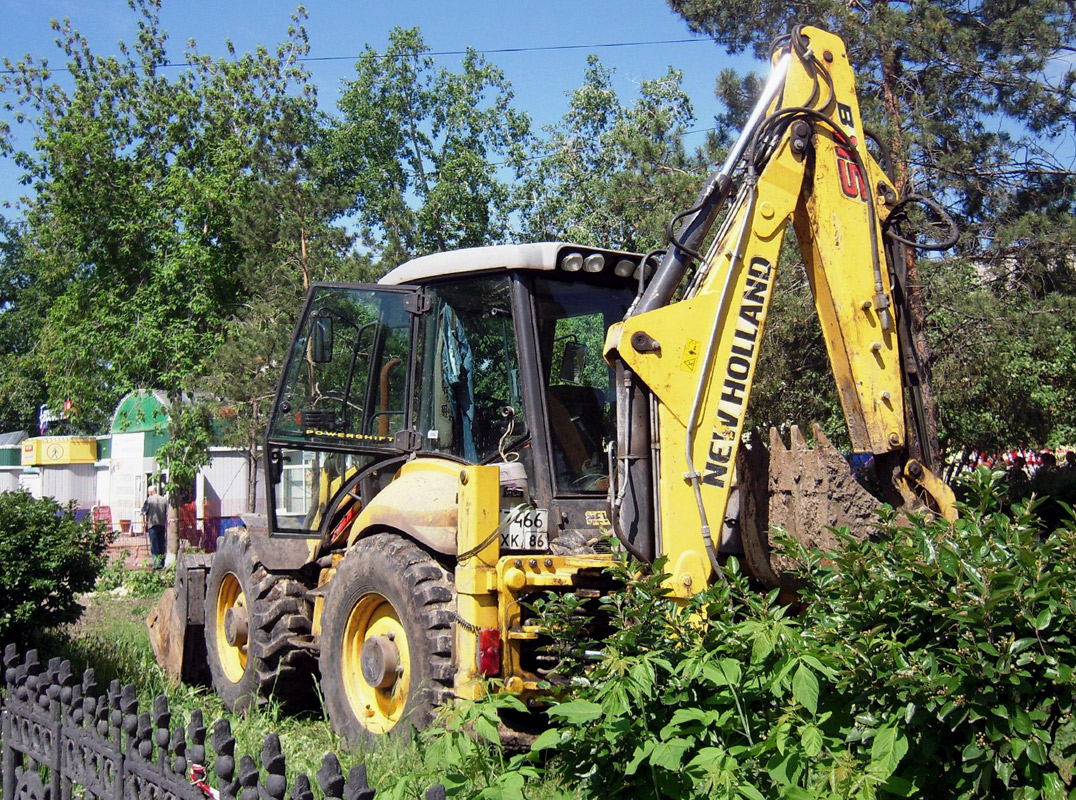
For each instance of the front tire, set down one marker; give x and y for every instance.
(251, 619)
(386, 640)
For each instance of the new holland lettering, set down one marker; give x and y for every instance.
(742, 357)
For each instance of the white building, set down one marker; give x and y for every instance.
(108, 475)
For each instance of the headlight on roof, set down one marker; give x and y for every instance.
(594, 263)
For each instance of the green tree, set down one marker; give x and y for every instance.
(23, 302)
(137, 180)
(1006, 361)
(794, 382)
(610, 174)
(970, 98)
(142, 181)
(421, 150)
(287, 240)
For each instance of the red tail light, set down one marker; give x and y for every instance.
(489, 652)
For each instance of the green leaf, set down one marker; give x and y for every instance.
(708, 757)
(669, 755)
(1022, 723)
(761, 647)
(1053, 788)
(684, 715)
(1036, 751)
(949, 560)
(547, 739)
(1019, 745)
(909, 713)
(899, 786)
(509, 786)
(576, 712)
(1004, 770)
(641, 752)
(1063, 751)
(1043, 618)
(786, 771)
(689, 719)
(805, 688)
(487, 730)
(811, 738)
(817, 665)
(887, 750)
(726, 672)
(988, 648)
(1020, 645)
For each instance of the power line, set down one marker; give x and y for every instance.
(536, 49)
(443, 53)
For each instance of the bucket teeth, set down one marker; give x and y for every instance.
(820, 438)
(776, 443)
(798, 443)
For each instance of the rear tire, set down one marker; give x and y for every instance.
(387, 640)
(251, 617)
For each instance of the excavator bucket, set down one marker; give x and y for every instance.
(805, 491)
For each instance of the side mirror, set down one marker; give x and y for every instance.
(573, 362)
(321, 340)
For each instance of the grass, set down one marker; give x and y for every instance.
(112, 638)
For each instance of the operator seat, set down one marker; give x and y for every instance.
(576, 417)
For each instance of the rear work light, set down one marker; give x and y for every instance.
(489, 652)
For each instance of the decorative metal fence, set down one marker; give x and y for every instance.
(62, 740)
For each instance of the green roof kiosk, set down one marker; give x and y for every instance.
(139, 428)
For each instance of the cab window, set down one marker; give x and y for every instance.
(573, 317)
(343, 399)
(347, 375)
(468, 394)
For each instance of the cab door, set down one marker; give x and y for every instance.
(342, 405)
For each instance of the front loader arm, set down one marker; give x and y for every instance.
(696, 357)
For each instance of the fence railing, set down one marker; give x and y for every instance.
(63, 739)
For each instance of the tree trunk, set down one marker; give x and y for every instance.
(900, 174)
(252, 478)
(171, 548)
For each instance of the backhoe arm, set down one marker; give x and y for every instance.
(693, 361)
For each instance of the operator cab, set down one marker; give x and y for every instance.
(484, 355)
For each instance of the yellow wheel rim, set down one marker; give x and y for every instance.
(233, 657)
(377, 708)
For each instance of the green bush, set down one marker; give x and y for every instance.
(934, 661)
(961, 638)
(46, 560)
(721, 697)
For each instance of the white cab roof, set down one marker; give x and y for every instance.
(537, 256)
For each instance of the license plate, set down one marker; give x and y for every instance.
(527, 529)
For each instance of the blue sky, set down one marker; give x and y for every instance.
(342, 29)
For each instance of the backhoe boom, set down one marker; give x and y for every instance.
(692, 361)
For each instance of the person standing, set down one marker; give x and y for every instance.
(155, 520)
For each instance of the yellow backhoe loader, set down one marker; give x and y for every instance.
(463, 436)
